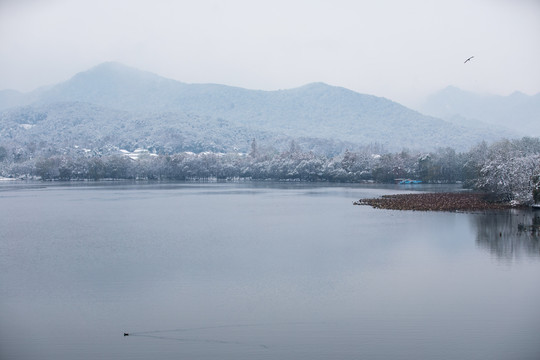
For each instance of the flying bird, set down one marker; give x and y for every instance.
(469, 59)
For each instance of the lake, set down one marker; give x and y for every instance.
(259, 271)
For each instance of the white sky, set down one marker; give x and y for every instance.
(399, 49)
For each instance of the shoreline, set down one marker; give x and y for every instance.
(453, 202)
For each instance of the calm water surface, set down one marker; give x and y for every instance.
(259, 271)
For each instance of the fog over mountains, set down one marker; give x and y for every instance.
(112, 105)
(518, 111)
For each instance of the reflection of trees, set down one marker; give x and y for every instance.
(509, 234)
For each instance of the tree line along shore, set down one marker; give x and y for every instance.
(507, 170)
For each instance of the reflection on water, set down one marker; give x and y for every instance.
(509, 234)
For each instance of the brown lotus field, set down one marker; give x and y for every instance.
(434, 202)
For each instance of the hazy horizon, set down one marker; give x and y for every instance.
(397, 50)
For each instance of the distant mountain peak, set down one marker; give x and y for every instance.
(316, 85)
(313, 87)
(518, 94)
(452, 88)
(323, 89)
(116, 70)
(110, 65)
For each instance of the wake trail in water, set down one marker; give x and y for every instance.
(155, 334)
(195, 329)
(207, 341)
(218, 327)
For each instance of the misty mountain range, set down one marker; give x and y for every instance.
(112, 105)
(518, 111)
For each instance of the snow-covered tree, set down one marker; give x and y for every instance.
(509, 169)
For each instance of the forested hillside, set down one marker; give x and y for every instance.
(145, 110)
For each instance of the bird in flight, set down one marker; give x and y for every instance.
(469, 59)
